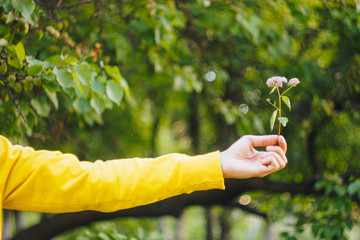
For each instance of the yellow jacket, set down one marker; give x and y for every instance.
(49, 181)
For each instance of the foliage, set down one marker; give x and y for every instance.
(125, 229)
(169, 51)
(34, 85)
(330, 215)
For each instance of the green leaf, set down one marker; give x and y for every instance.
(286, 100)
(272, 90)
(13, 58)
(98, 105)
(52, 87)
(49, 76)
(20, 51)
(64, 78)
(11, 50)
(114, 91)
(81, 105)
(53, 61)
(70, 60)
(108, 104)
(16, 54)
(9, 37)
(283, 120)
(84, 74)
(272, 119)
(69, 91)
(26, 7)
(98, 85)
(34, 16)
(8, 7)
(53, 98)
(114, 72)
(34, 62)
(34, 70)
(79, 87)
(103, 236)
(354, 187)
(125, 85)
(41, 106)
(91, 117)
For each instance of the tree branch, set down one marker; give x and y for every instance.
(250, 210)
(16, 104)
(57, 224)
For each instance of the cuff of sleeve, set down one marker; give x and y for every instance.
(204, 172)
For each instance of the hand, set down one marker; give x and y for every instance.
(242, 160)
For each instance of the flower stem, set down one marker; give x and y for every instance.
(273, 105)
(277, 88)
(286, 90)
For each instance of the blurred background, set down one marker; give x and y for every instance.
(192, 78)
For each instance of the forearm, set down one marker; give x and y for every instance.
(54, 182)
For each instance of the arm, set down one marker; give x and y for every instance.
(49, 181)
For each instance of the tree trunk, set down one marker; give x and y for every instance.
(194, 121)
(225, 224)
(180, 223)
(209, 223)
(7, 226)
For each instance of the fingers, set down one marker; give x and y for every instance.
(266, 140)
(282, 143)
(279, 151)
(280, 162)
(271, 161)
(274, 159)
(271, 165)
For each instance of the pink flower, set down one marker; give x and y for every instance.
(293, 82)
(276, 81)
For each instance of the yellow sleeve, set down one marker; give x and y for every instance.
(49, 181)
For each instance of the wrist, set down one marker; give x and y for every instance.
(223, 162)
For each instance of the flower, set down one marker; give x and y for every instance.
(293, 82)
(276, 81)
